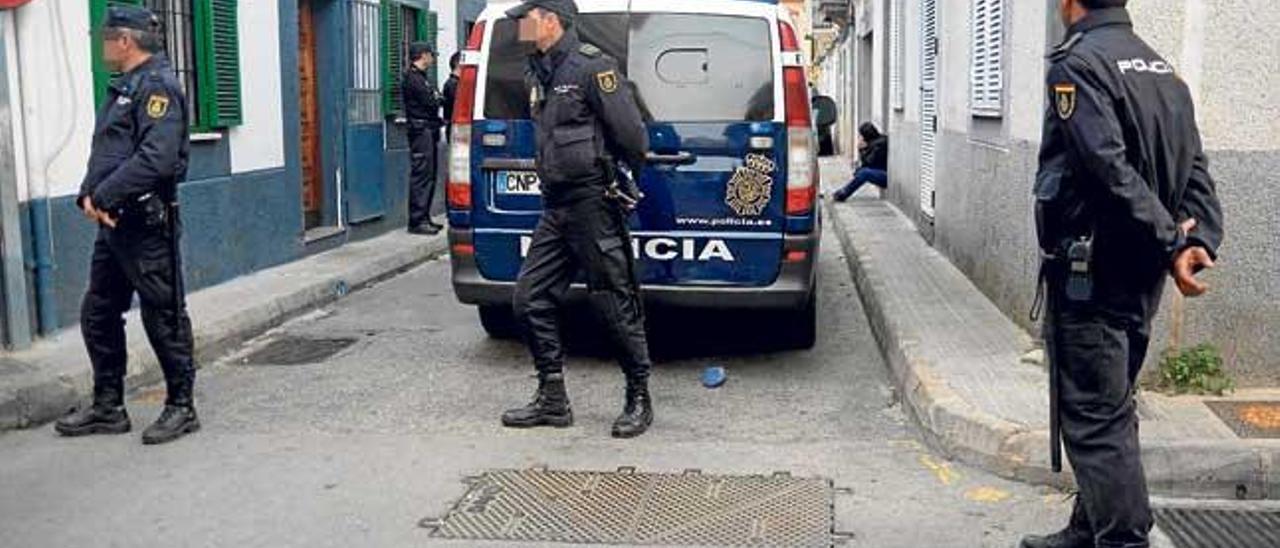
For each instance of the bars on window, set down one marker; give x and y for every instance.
(365, 95)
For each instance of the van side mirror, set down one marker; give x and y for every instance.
(825, 110)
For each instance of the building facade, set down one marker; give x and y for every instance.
(298, 145)
(959, 85)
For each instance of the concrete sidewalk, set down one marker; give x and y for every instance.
(40, 384)
(976, 383)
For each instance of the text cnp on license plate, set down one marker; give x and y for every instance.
(519, 183)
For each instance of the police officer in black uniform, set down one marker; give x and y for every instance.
(138, 157)
(587, 123)
(1124, 198)
(422, 107)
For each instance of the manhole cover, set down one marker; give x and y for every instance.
(297, 351)
(1214, 528)
(627, 507)
(1249, 419)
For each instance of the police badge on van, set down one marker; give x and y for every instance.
(751, 188)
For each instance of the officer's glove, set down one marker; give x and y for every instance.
(624, 190)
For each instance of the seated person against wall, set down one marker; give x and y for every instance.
(873, 160)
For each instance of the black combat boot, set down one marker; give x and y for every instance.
(1078, 533)
(550, 406)
(174, 422)
(99, 418)
(638, 413)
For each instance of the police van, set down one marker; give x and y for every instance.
(729, 219)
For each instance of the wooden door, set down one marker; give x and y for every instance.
(312, 165)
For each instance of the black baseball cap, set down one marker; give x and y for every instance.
(131, 17)
(416, 49)
(566, 9)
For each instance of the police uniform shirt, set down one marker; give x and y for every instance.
(1121, 156)
(586, 118)
(421, 100)
(141, 139)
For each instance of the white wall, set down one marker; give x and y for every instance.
(447, 37)
(259, 142)
(57, 92)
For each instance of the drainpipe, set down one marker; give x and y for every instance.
(40, 204)
(16, 317)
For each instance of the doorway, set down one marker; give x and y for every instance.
(309, 107)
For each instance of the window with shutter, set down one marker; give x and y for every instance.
(201, 39)
(218, 47)
(393, 56)
(986, 81)
(896, 60)
(430, 29)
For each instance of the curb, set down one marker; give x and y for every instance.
(51, 382)
(1191, 468)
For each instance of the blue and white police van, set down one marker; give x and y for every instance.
(729, 219)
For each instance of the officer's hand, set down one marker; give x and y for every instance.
(106, 219)
(90, 212)
(1186, 265)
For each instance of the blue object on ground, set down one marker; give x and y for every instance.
(713, 377)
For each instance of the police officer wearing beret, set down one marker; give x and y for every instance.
(138, 157)
(422, 108)
(1123, 199)
(587, 122)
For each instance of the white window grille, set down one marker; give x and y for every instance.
(986, 81)
(364, 103)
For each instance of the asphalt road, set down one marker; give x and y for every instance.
(355, 450)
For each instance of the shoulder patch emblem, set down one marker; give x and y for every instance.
(157, 106)
(608, 81)
(590, 50)
(1064, 97)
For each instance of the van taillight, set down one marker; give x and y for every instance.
(802, 167)
(458, 187)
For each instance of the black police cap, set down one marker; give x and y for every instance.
(416, 49)
(566, 9)
(131, 17)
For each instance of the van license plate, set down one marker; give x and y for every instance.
(521, 183)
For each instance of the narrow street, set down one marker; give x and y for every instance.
(356, 450)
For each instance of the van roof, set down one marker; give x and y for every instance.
(754, 8)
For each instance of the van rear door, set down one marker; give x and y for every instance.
(715, 192)
(709, 86)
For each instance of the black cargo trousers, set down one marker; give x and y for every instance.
(589, 235)
(423, 138)
(127, 260)
(1099, 348)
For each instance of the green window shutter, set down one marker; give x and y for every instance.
(218, 63)
(429, 30)
(101, 76)
(393, 58)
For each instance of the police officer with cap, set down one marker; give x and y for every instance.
(422, 103)
(138, 157)
(1123, 198)
(588, 123)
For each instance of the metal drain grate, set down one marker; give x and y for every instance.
(1249, 419)
(627, 507)
(297, 351)
(1215, 528)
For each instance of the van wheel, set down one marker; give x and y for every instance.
(499, 322)
(801, 329)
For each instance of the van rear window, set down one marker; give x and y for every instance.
(686, 67)
(506, 97)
